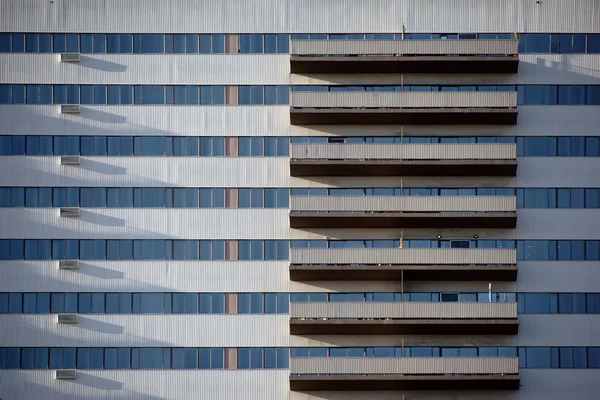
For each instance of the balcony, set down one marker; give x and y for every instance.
(390, 264)
(404, 373)
(404, 56)
(403, 108)
(465, 159)
(412, 318)
(442, 212)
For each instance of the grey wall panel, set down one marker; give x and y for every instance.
(149, 384)
(558, 172)
(299, 16)
(536, 384)
(118, 223)
(147, 172)
(126, 330)
(148, 69)
(146, 276)
(558, 276)
(396, 286)
(147, 120)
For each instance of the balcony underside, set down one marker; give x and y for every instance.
(403, 116)
(410, 273)
(405, 326)
(406, 64)
(302, 168)
(404, 382)
(393, 220)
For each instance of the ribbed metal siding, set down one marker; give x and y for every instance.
(148, 69)
(401, 365)
(147, 120)
(403, 256)
(393, 47)
(146, 276)
(127, 330)
(139, 223)
(404, 99)
(451, 151)
(402, 310)
(171, 384)
(147, 172)
(405, 203)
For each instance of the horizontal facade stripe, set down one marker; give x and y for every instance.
(127, 330)
(290, 16)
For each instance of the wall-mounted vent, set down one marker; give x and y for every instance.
(68, 318)
(66, 374)
(70, 160)
(68, 264)
(70, 109)
(70, 212)
(70, 57)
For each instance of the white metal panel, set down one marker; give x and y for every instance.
(558, 330)
(400, 47)
(558, 172)
(404, 203)
(146, 276)
(147, 172)
(558, 276)
(399, 310)
(377, 151)
(147, 384)
(148, 69)
(147, 120)
(299, 16)
(149, 223)
(403, 99)
(137, 330)
(404, 365)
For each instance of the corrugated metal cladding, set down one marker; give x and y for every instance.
(150, 223)
(147, 120)
(146, 276)
(558, 330)
(150, 384)
(127, 330)
(558, 276)
(299, 16)
(149, 69)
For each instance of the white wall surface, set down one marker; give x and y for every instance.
(299, 16)
(147, 330)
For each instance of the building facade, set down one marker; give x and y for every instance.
(299, 199)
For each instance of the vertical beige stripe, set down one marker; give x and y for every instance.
(231, 303)
(232, 44)
(231, 250)
(231, 95)
(230, 358)
(231, 146)
(231, 198)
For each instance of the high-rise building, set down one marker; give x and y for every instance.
(299, 199)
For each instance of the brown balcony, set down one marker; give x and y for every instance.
(403, 108)
(465, 159)
(404, 373)
(412, 318)
(392, 212)
(403, 264)
(404, 56)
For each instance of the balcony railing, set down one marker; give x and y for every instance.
(404, 100)
(403, 47)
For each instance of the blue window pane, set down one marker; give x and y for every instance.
(151, 358)
(41, 358)
(72, 42)
(244, 95)
(283, 94)
(18, 42)
(86, 43)
(99, 43)
(83, 358)
(245, 43)
(579, 357)
(256, 43)
(593, 43)
(150, 94)
(123, 358)
(4, 42)
(216, 358)
(572, 43)
(191, 43)
(110, 358)
(45, 43)
(32, 42)
(537, 43)
(112, 43)
(218, 43)
(538, 357)
(593, 357)
(283, 43)
(5, 98)
(126, 43)
(270, 43)
(205, 43)
(60, 45)
(149, 43)
(16, 249)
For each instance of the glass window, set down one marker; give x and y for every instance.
(149, 94)
(538, 357)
